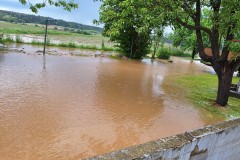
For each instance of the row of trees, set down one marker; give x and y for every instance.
(214, 24)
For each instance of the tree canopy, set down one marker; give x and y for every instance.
(121, 23)
(66, 5)
(126, 24)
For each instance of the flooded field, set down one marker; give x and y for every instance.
(68, 107)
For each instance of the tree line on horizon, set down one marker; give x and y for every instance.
(15, 17)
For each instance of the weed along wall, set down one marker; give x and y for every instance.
(217, 142)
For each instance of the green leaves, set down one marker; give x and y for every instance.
(125, 24)
(23, 1)
(66, 5)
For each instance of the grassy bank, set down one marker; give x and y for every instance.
(201, 90)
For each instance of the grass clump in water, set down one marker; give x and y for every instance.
(201, 90)
(18, 39)
(8, 38)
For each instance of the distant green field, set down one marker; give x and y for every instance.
(13, 28)
(60, 36)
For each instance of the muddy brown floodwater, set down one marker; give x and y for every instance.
(75, 107)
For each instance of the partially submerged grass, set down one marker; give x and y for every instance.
(18, 39)
(13, 29)
(201, 90)
(15, 33)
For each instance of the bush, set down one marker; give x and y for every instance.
(179, 53)
(163, 53)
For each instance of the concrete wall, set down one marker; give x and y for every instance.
(217, 142)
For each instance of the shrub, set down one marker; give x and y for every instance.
(179, 53)
(163, 53)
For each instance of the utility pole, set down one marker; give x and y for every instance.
(45, 36)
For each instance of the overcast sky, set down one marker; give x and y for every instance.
(85, 14)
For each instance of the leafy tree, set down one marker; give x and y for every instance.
(58, 3)
(222, 22)
(123, 23)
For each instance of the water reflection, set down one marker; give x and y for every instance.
(44, 61)
(69, 107)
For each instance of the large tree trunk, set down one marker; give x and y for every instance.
(225, 75)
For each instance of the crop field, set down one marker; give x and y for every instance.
(35, 33)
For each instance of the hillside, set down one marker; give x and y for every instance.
(16, 17)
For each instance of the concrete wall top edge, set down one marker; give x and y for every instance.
(172, 142)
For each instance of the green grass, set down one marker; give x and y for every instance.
(73, 45)
(201, 90)
(13, 28)
(18, 39)
(8, 39)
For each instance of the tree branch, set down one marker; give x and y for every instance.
(235, 64)
(202, 54)
(225, 51)
(187, 9)
(198, 27)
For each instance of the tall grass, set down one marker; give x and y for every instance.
(8, 38)
(48, 41)
(74, 45)
(36, 42)
(18, 39)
